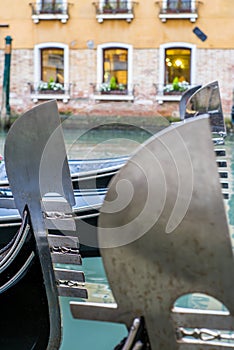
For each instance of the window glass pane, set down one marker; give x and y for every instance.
(52, 65)
(49, 6)
(115, 65)
(179, 5)
(177, 65)
(117, 4)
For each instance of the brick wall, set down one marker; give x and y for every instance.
(210, 65)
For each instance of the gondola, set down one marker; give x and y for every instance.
(164, 237)
(89, 200)
(27, 320)
(125, 261)
(200, 100)
(30, 283)
(85, 173)
(85, 213)
(97, 173)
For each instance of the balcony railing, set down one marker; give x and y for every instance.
(114, 10)
(178, 9)
(49, 11)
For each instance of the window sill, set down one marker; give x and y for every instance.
(168, 98)
(50, 96)
(165, 16)
(127, 16)
(47, 16)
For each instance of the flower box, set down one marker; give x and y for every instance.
(48, 92)
(173, 92)
(114, 92)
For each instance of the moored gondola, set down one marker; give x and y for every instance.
(45, 212)
(27, 321)
(30, 281)
(162, 240)
(85, 213)
(85, 173)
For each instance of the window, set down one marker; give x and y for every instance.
(179, 5)
(114, 71)
(115, 68)
(51, 71)
(176, 70)
(52, 6)
(52, 65)
(114, 9)
(50, 10)
(116, 4)
(177, 65)
(178, 9)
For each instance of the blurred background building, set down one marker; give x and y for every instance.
(116, 56)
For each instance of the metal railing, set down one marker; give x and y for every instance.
(178, 6)
(114, 7)
(49, 8)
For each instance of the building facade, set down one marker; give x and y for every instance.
(116, 56)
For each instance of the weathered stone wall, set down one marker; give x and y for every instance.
(211, 64)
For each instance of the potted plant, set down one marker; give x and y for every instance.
(176, 88)
(112, 88)
(51, 87)
(113, 83)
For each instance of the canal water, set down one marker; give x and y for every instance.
(103, 143)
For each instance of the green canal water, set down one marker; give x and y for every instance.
(103, 143)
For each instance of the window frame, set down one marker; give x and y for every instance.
(100, 72)
(38, 67)
(101, 15)
(160, 97)
(165, 14)
(38, 15)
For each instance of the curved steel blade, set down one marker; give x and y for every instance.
(184, 99)
(36, 164)
(207, 100)
(163, 233)
(36, 157)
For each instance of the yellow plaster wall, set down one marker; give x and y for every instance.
(145, 31)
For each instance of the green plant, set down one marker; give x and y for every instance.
(50, 85)
(113, 83)
(175, 84)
